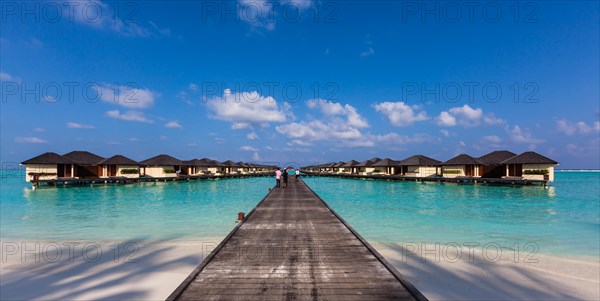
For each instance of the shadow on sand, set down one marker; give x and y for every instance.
(476, 278)
(152, 272)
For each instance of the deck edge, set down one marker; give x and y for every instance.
(189, 279)
(407, 285)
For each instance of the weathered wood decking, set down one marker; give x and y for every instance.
(292, 246)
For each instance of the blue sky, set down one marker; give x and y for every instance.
(300, 81)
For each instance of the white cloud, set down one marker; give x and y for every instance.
(257, 13)
(300, 4)
(33, 140)
(134, 116)
(252, 136)
(467, 116)
(247, 108)
(99, 15)
(39, 130)
(256, 156)
(319, 130)
(399, 113)
(446, 119)
(248, 148)
(581, 127)
(492, 139)
(5, 77)
(519, 135)
(446, 133)
(75, 125)
(299, 142)
(368, 52)
(329, 108)
(193, 87)
(129, 97)
(173, 125)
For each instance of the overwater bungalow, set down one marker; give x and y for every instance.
(350, 167)
(48, 166)
(197, 167)
(366, 167)
(389, 166)
(491, 165)
(530, 166)
(161, 166)
(87, 164)
(229, 167)
(419, 166)
(462, 165)
(118, 166)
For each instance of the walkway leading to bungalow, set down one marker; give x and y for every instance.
(292, 246)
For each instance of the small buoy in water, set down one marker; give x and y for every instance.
(269, 189)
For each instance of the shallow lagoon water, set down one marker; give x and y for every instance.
(561, 219)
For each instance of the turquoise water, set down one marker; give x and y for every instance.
(182, 210)
(563, 219)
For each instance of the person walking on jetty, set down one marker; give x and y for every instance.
(297, 174)
(285, 178)
(278, 178)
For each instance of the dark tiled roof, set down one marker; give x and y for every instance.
(162, 160)
(118, 160)
(419, 160)
(529, 158)
(496, 157)
(229, 163)
(387, 162)
(368, 163)
(350, 163)
(84, 157)
(49, 158)
(462, 159)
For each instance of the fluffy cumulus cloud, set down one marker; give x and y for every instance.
(75, 125)
(33, 140)
(467, 116)
(329, 108)
(126, 96)
(252, 136)
(134, 116)
(399, 113)
(581, 127)
(524, 136)
(246, 109)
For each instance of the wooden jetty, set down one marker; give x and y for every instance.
(292, 246)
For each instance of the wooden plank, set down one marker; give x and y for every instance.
(292, 246)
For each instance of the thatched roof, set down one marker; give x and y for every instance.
(386, 162)
(529, 158)
(496, 157)
(49, 158)
(162, 160)
(118, 160)
(420, 160)
(462, 159)
(84, 157)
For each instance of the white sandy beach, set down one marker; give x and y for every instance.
(157, 268)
